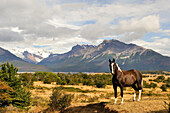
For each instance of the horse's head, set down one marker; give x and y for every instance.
(112, 66)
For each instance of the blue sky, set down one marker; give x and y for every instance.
(57, 25)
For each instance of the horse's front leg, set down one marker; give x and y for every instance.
(115, 92)
(121, 94)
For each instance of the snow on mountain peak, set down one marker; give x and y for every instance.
(38, 54)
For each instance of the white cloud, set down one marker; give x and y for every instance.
(58, 24)
(159, 45)
(136, 28)
(146, 24)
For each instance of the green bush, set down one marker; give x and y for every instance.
(100, 84)
(153, 85)
(47, 80)
(27, 79)
(47, 77)
(59, 100)
(159, 79)
(167, 82)
(147, 85)
(164, 88)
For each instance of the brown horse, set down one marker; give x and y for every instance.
(123, 78)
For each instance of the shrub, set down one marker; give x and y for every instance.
(47, 80)
(145, 84)
(27, 79)
(150, 80)
(164, 88)
(153, 85)
(167, 82)
(59, 100)
(100, 84)
(159, 79)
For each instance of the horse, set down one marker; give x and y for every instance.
(123, 79)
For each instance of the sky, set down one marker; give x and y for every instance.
(57, 25)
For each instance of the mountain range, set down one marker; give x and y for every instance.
(23, 66)
(90, 58)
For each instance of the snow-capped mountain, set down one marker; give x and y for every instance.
(30, 55)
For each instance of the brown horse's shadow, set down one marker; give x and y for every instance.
(90, 108)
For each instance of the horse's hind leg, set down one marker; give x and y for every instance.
(121, 88)
(139, 95)
(139, 83)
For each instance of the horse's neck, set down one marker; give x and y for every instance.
(119, 68)
(118, 72)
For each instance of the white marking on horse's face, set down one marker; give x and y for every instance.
(112, 67)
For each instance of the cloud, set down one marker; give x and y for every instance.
(136, 28)
(158, 45)
(7, 35)
(146, 24)
(95, 31)
(130, 30)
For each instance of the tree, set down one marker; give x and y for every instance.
(5, 91)
(20, 97)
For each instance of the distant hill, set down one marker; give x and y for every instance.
(5, 56)
(89, 58)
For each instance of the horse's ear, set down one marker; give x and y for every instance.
(113, 60)
(110, 61)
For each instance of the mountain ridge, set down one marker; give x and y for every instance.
(95, 58)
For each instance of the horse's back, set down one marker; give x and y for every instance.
(138, 75)
(135, 73)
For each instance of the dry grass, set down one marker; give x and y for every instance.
(152, 99)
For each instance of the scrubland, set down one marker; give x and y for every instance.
(94, 99)
(93, 96)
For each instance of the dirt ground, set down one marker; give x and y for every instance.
(144, 106)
